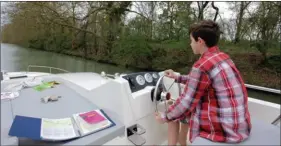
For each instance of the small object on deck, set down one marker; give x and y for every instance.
(50, 98)
(14, 87)
(89, 126)
(46, 85)
(92, 117)
(25, 84)
(43, 129)
(9, 95)
(54, 83)
(33, 82)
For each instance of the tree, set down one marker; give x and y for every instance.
(266, 25)
(239, 18)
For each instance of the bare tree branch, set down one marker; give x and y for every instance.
(217, 10)
(67, 25)
(54, 11)
(128, 10)
(201, 9)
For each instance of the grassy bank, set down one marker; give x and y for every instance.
(178, 56)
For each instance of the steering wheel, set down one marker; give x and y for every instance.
(161, 93)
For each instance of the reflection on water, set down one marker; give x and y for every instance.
(271, 97)
(15, 58)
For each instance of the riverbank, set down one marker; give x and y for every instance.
(248, 64)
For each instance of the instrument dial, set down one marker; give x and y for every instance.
(155, 75)
(148, 77)
(140, 80)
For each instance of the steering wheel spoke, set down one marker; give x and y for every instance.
(162, 94)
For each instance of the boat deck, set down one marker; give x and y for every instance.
(71, 102)
(78, 91)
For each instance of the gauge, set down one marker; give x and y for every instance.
(148, 77)
(155, 75)
(140, 80)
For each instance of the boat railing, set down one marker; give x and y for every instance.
(47, 67)
(263, 88)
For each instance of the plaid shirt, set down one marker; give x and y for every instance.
(214, 99)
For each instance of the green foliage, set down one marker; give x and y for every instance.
(274, 62)
(132, 50)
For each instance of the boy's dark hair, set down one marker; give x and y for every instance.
(207, 30)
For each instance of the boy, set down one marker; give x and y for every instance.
(214, 103)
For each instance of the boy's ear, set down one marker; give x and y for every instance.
(200, 40)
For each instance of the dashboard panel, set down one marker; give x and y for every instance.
(140, 80)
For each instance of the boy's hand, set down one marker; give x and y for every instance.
(170, 73)
(159, 119)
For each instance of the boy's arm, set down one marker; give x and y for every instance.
(182, 79)
(197, 83)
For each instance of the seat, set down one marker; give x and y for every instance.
(262, 134)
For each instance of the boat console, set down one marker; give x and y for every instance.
(140, 80)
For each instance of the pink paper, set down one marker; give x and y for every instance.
(92, 117)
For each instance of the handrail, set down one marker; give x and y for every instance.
(49, 67)
(263, 88)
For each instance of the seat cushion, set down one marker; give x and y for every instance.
(261, 134)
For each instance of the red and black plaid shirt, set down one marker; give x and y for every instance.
(215, 100)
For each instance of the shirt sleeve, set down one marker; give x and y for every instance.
(182, 79)
(196, 85)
